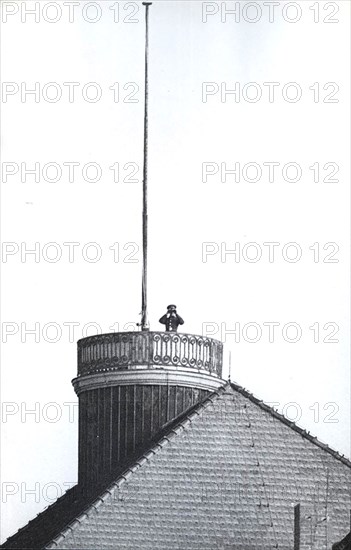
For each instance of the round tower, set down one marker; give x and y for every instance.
(130, 385)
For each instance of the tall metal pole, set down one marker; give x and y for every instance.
(144, 319)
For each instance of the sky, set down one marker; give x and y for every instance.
(248, 208)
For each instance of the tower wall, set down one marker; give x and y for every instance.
(117, 420)
(130, 385)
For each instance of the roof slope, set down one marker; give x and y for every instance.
(48, 523)
(225, 476)
(345, 544)
(45, 525)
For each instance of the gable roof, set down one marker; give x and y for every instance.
(226, 472)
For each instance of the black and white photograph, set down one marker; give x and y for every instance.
(175, 275)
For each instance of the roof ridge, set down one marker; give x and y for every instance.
(307, 435)
(172, 432)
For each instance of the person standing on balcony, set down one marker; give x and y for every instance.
(171, 319)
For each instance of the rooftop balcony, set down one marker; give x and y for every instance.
(122, 351)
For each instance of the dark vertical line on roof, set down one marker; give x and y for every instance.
(326, 510)
(297, 528)
(311, 531)
(248, 419)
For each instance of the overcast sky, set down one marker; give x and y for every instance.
(267, 99)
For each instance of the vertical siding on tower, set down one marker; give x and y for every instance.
(117, 420)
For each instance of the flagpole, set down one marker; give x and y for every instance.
(144, 314)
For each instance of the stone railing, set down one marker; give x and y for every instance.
(132, 350)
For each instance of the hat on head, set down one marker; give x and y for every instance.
(172, 306)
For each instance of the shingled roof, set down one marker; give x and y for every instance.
(226, 474)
